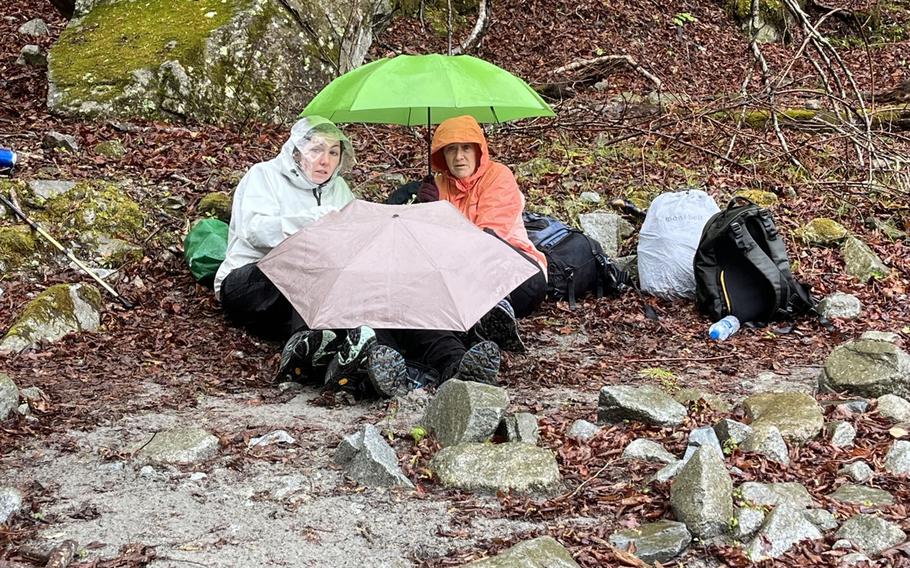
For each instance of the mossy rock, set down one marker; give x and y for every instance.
(822, 231)
(217, 205)
(536, 168)
(759, 197)
(771, 23)
(211, 60)
(110, 149)
(59, 310)
(17, 245)
(93, 206)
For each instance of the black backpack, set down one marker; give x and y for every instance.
(576, 264)
(742, 268)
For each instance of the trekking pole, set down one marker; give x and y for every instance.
(12, 206)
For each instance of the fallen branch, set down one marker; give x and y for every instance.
(689, 359)
(583, 63)
(480, 28)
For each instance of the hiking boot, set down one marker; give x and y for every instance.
(305, 349)
(391, 376)
(350, 361)
(499, 325)
(480, 364)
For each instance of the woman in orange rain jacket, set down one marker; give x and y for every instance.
(487, 194)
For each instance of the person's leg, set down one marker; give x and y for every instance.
(529, 295)
(250, 300)
(445, 352)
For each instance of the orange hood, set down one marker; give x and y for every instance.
(459, 130)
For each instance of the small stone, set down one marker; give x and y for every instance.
(10, 503)
(9, 396)
(654, 542)
(275, 437)
(894, 408)
(646, 404)
(871, 534)
(58, 141)
(171, 45)
(861, 261)
(35, 27)
(886, 336)
(838, 305)
(898, 459)
(768, 442)
(24, 409)
(148, 472)
(32, 55)
(732, 433)
(110, 149)
(699, 437)
(181, 446)
(822, 231)
(858, 471)
(821, 518)
(197, 476)
(520, 427)
(290, 386)
(853, 559)
(840, 433)
(861, 495)
(643, 449)
(582, 430)
(589, 197)
(747, 521)
(543, 552)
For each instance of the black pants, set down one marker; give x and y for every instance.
(527, 297)
(250, 300)
(438, 350)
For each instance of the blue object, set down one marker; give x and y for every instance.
(7, 161)
(723, 328)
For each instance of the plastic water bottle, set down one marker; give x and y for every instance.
(723, 328)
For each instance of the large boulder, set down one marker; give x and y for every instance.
(211, 60)
(796, 415)
(513, 466)
(541, 552)
(867, 367)
(59, 310)
(702, 494)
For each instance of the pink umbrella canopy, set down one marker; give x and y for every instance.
(421, 266)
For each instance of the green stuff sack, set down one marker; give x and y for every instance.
(204, 248)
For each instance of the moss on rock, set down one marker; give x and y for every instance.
(759, 197)
(217, 205)
(59, 310)
(94, 206)
(110, 149)
(17, 245)
(822, 231)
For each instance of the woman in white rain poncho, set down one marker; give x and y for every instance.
(273, 201)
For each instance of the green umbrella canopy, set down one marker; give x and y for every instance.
(416, 90)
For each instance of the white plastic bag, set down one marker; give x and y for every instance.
(668, 239)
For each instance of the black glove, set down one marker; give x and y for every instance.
(428, 190)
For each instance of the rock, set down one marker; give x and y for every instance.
(589, 197)
(668, 472)
(643, 449)
(875, 335)
(654, 542)
(821, 518)
(207, 60)
(731, 433)
(773, 494)
(217, 205)
(520, 427)
(465, 411)
(110, 149)
(58, 141)
(860, 495)
(861, 261)
(35, 27)
(542, 552)
(870, 533)
(898, 459)
(822, 231)
(768, 25)
(274, 437)
(180, 446)
(608, 229)
(800, 379)
(858, 471)
(853, 559)
(768, 442)
(10, 503)
(59, 310)
(113, 253)
(17, 246)
(496, 467)
(46, 189)
(629, 263)
(797, 416)
(854, 406)
(838, 305)
(646, 404)
(759, 197)
(405, 412)
(32, 55)
(582, 430)
(893, 407)
(701, 495)
(699, 437)
(746, 522)
(290, 386)
(840, 433)
(31, 394)
(369, 460)
(783, 527)
(9, 396)
(867, 368)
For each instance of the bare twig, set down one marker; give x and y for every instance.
(575, 65)
(480, 27)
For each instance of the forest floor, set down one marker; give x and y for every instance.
(174, 360)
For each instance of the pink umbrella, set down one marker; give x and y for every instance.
(421, 266)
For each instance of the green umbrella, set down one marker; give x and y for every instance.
(414, 90)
